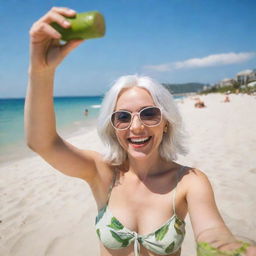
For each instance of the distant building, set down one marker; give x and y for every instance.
(252, 76)
(246, 76)
(226, 82)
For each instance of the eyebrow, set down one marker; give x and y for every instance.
(136, 111)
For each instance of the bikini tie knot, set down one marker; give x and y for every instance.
(136, 244)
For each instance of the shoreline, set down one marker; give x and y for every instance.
(22, 151)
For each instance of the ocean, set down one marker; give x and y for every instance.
(70, 117)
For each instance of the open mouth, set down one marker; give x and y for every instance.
(139, 141)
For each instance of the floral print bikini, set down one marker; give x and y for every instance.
(165, 240)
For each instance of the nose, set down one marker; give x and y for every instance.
(136, 123)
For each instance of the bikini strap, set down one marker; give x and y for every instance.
(178, 174)
(112, 184)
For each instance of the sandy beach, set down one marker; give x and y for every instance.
(43, 212)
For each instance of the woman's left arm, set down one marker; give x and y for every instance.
(202, 207)
(207, 223)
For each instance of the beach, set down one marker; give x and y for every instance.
(44, 212)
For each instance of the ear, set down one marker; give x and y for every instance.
(166, 128)
(166, 125)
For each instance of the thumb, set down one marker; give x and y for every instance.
(71, 45)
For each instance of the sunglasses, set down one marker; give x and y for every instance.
(149, 116)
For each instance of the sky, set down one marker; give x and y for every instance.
(173, 41)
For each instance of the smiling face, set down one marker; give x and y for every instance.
(139, 141)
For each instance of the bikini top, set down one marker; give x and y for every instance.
(165, 240)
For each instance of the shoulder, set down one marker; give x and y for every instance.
(194, 179)
(193, 174)
(198, 188)
(190, 174)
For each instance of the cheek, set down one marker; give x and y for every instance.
(159, 135)
(121, 138)
(160, 138)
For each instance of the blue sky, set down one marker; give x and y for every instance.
(173, 41)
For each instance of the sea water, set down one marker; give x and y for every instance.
(70, 114)
(70, 118)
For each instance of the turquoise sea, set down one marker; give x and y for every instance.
(70, 117)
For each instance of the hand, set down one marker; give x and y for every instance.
(219, 241)
(46, 52)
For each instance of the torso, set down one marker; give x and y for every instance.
(136, 204)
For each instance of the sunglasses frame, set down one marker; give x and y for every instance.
(137, 114)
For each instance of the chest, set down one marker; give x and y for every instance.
(143, 207)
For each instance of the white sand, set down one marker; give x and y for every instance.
(44, 212)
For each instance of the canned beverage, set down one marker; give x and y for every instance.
(85, 25)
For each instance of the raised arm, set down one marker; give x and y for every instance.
(40, 126)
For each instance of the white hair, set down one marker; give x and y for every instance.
(173, 139)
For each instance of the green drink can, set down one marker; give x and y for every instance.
(205, 249)
(85, 25)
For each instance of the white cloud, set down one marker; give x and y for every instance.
(208, 61)
(160, 68)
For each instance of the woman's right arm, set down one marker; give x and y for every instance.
(40, 126)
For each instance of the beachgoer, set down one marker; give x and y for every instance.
(199, 103)
(142, 194)
(86, 112)
(226, 99)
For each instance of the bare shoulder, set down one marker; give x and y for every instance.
(197, 184)
(193, 173)
(193, 178)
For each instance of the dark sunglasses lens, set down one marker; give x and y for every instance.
(150, 116)
(121, 119)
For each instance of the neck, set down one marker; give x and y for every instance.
(145, 167)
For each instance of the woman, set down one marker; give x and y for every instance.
(142, 195)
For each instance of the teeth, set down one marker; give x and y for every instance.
(139, 140)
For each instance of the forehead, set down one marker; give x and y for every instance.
(134, 98)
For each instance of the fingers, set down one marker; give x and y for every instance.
(43, 28)
(46, 47)
(39, 29)
(64, 11)
(58, 14)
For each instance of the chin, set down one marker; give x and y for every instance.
(139, 154)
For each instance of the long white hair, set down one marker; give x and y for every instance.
(173, 139)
